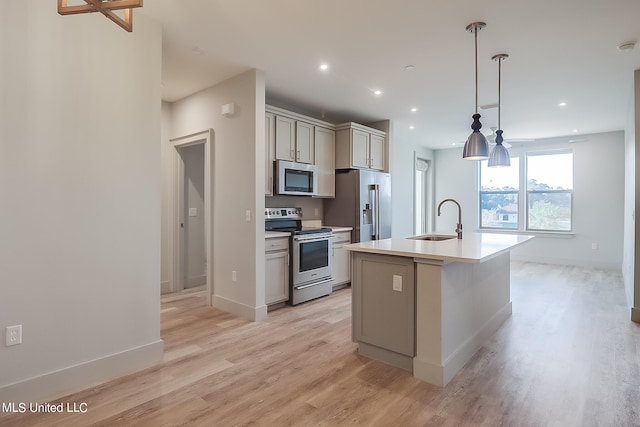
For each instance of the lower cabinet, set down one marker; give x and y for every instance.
(340, 262)
(276, 270)
(384, 302)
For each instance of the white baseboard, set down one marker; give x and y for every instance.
(165, 287)
(255, 314)
(567, 261)
(84, 375)
(441, 375)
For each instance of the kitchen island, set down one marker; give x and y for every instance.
(427, 306)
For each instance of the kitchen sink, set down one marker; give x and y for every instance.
(433, 237)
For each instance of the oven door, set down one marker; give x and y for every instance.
(311, 258)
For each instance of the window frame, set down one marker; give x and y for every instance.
(523, 193)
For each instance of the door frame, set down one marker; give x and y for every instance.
(204, 137)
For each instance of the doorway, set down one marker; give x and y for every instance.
(192, 222)
(192, 216)
(421, 196)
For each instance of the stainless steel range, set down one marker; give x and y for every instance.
(310, 254)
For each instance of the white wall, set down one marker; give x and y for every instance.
(166, 231)
(80, 198)
(403, 149)
(598, 201)
(631, 255)
(196, 256)
(238, 186)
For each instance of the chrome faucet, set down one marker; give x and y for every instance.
(459, 225)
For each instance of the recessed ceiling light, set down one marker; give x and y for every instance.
(562, 104)
(377, 92)
(414, 109)
(324, 67)
(575, 131)
(412, 127)
(409, 67)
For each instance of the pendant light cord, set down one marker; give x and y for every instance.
(475, 32)
(499, 79)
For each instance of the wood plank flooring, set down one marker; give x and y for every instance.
(569, 356)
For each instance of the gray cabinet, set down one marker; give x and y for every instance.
(325, 141)
(276, 270)
(294, 140)
(384, 302)
(340, 263)
(270, 151)
(359, 146)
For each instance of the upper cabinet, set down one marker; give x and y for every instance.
(294, 140)
(325, 142)
(270, 151)
(359, 146)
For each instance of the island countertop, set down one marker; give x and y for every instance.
(472, 248)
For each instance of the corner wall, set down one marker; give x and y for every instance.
(631, 250)
(79, 199)
(238, 186)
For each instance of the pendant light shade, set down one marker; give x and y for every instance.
(476, 147)
(499, 155)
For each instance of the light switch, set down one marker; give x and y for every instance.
(193, 211)
(397, 283)
(247, 216)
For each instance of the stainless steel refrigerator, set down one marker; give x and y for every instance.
(363, 201)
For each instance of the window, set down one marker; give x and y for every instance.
(499, 190)
(536, 197)
(549, 191)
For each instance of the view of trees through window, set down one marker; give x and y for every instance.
(499, 190)
(547, 198)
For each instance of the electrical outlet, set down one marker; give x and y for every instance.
(234, 276)
(13, 335)
(397, 283)
(247, 216)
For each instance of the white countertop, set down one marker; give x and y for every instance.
(473, 247)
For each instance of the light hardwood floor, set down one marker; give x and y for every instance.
(569, 356)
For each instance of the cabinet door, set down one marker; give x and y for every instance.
(325, 142)
(276, 277)
(341, 267)
(360, 148)
(304, 143)
(376, 152)
(285, 138)
(270, 152)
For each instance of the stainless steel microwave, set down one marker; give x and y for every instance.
(296, 179)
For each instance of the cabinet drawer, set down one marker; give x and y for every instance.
(342, 237)
(279, 244)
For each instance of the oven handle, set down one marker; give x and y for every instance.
(312, 238)
(297, 288)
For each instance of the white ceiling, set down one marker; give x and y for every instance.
(559, 51)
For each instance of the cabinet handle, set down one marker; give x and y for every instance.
(292, 154)
(298, 155)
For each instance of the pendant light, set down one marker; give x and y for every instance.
(476, 147)
(499, 156)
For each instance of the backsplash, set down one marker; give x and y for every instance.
(309, 205)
